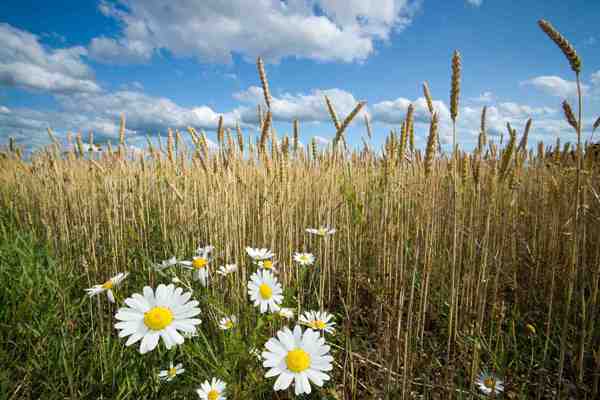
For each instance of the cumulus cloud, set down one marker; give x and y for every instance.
(146, 114)
(485, 97)
(323, 141)
(304, 107)
(212, 30)
(26, 64)
(595, 78)
(555, 86)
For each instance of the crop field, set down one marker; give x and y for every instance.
(286, 271)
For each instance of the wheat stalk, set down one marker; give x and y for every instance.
(428, 99)
(263, 80)
(566, 47)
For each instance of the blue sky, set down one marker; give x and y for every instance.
(77, 65)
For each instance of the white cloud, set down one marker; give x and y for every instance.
(144, 113)
(212, 30)
(323, 141)
(304, 107)
(595, 78)
(25, 63)
(555, 86)
(4, 110)
(475, 3)
(485, 97)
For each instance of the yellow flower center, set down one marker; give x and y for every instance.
(318, 324)
(267, 264)
(172, 372)
(322, 231)
(530, 328)
(158, 318)
(265, 291)
(297, 360)
(229, 324)
(213, 395)
(489, 382)
(107, 285)
(199, 263)
(304, 258)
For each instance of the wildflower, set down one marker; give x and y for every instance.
(255, 353)
(199, 265)
(318, 320)
(304, 258)
(489, 383)
(267, 265)
(259, 254)
(108, 286)
(530, 329)
(298, 356)
(228, 322)
(155, 315)
(169, 374)
(227, 269)
(322, 231)
(265, 291)
(165, 264)
(204, 251)
(287, 313)
(212, 390)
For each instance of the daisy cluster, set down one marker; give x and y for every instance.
(167, 313)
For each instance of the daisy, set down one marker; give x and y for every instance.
(267, 265)
(228, 322)
(169, 374)
(322, 231)
(227, 269)
(259, 254)
(108, 286)
(155, 315)
(265, 291)
(489, 383)
(287, 313)
(298, 356)
(304, 258)
(318, 320)
(165, 264)
(199, 265)
(212, 390)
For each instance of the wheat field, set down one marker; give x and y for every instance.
(442, 265)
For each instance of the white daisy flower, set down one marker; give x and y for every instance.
(108, 286)
(169, 374)
(265, 291)
(318, 320)
(227, 269)
(489, 383)
(297, 356)
(304, 258)
(227, 322)
(287, 313)
(259, 254)
(199, 265)
(267, 265)
(165, 264)
(212, 390)
(155, 315)
(204, 251)
(321, 231)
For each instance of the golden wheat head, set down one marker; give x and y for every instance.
(565, 46)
